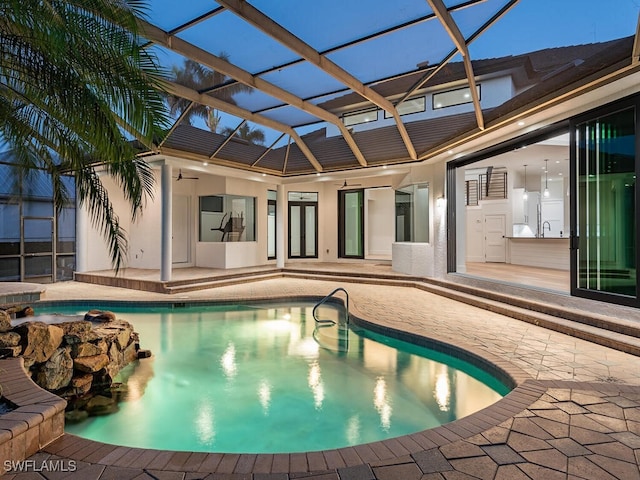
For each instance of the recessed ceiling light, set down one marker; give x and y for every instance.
(450, 152)
(521, 123)
(205, 163)
(384, 167)
(264, 174)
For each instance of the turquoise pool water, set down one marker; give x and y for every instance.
(253, 379)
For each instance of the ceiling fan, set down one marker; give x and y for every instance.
(182, 177)
(347, 185)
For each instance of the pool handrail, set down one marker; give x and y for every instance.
(325, 299)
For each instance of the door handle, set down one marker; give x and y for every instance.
(574, 242)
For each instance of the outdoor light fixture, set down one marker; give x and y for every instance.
(546, 177)
(525, 195)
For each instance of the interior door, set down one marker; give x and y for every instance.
(181, 229)
(37, 246)
(303, 230)
(494, 238)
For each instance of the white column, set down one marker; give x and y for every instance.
(281, 234)
(166, 217)
(83, 224)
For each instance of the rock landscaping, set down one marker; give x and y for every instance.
(76, 359)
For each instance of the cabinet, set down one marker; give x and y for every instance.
(524, 212)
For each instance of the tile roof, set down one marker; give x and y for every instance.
(545, 73)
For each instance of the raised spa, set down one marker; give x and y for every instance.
(256, 379)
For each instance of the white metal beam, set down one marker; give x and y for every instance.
(207, 100)
(188, 50)
(295, 44)
(636, 43)
(458, 39)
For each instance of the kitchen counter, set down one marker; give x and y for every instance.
(537, 238)
(545, 252)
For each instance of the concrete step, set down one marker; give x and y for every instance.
(607, 331)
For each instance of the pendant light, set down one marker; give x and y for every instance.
(546, 177)
(525, 195)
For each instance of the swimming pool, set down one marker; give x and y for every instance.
(253, 379)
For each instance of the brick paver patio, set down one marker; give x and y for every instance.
(574, 415)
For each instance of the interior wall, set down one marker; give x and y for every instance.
(233, 254)
(379, 222)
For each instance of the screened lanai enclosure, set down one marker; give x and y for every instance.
(347, 131)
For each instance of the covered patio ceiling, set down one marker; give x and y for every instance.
(291, 69)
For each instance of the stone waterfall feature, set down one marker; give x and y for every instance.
(75, 359)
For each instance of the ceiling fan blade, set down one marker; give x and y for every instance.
(182, 177)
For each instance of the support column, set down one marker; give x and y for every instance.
(83, 225)
(166, 219)
(281, 234)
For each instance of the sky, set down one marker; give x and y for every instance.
(529, 26)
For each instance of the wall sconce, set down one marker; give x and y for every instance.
(440, 202)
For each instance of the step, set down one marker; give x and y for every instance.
(595, 328)
(205, 284)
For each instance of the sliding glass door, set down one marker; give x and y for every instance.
(604, 242)
(351, 223)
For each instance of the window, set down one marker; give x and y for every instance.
(413, 105)
(450, 98)
(363, 116)
(227, 218)
(412, 213)
(303, 196)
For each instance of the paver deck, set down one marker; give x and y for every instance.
(574, 415)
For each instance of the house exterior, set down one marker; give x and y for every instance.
(223, 203)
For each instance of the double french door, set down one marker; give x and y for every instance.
(303, 229)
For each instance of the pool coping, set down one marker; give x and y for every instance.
(390, 451)
(37, 420)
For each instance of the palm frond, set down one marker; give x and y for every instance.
(76, 86)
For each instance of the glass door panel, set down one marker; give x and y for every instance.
(295, 231)
(310, 231)
(37, 244)
(351, 223)
(606, 206)
(271, 229)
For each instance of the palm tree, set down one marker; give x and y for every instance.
(76, 86)
(246, 132)
(200, 78)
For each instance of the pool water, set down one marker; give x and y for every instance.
(249, 379)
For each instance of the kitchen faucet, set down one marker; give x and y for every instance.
(543, 226)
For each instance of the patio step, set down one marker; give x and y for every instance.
(219, 281)
(616, 330)
(616, 333)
